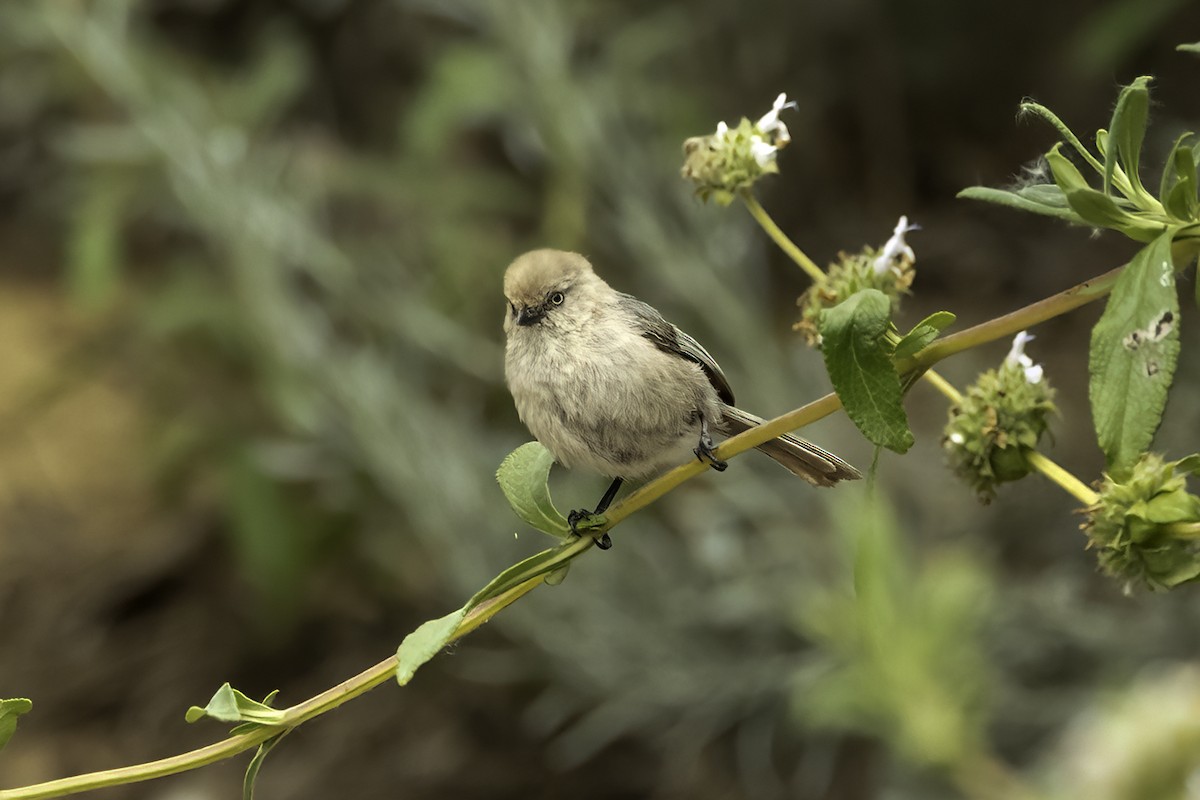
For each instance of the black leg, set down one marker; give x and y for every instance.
(609, 494)
(704, 450)
(577, 516)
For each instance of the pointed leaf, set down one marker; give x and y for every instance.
(1066, 133)
(922, 334)
(1048, 194)
(424, 643)
(1126, 132)
(1189, 464)
(524, 478)
(1180, 198)
(9, 711)
(231, 705)
(860, 366)
(1017, 200)
(547, 561)
(256, 764)
(1066, 175)
(1134, 348)
(1100, 210)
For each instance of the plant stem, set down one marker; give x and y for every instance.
(779, 237)
(944, 386)
(1016, 321)
(731, 447)
(1072, 485)
(294, 716)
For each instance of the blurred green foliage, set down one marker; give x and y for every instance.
(288, 222)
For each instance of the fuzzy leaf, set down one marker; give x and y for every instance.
(524, 478)
(424, 643)
(923, 333)
(1066, 133)
(1066, 175)
(9, 711)
(1021, 201)
(860, 366)
(1125, 134)
(1134, 347)
(230, 705)
(1100, 210)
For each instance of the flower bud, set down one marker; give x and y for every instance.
(888, 269)
(1134, 524)
(732, 159)
(999, 421)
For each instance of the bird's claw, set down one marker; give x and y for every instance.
(587, 520)
(704, 452)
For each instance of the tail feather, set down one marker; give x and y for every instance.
(802, 458)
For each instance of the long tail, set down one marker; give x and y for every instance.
(803, 459)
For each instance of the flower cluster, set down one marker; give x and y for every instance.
(998, 422)
(888, 269)
(1136, 524)
(723, 163)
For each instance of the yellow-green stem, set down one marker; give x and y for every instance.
(779, 237)
(1072, 485)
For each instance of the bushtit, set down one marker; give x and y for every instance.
(606, 384)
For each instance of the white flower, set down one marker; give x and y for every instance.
(770, 123)
(722, 129)
(763, 152)
(1016, 356)
(896, 252)
(957, 438)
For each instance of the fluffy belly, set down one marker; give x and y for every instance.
(594, 417)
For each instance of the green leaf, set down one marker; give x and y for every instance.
(1048, 194)
(922, 334)
(524, 478)
(256, 764)
(551, 561)
(230, 705)
(1066, 133)
(424, 643)
(1066, 175)
(1180, 199)
(1134, 347)
(1020, 201)
(1102, 211)
(860, 366)
(1126, 132)
(9, 711)
(1189, 464)
(1189, 48)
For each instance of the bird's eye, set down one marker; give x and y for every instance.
(557, 298)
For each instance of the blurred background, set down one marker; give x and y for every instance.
(252, 400)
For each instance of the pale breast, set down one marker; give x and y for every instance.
(603, 398)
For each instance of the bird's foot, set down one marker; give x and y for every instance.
(584, 522)
(704, 452)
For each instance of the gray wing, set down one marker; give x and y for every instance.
(671, 340)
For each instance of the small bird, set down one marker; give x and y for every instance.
(605, 383)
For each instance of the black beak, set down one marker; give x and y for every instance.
(530, 316)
